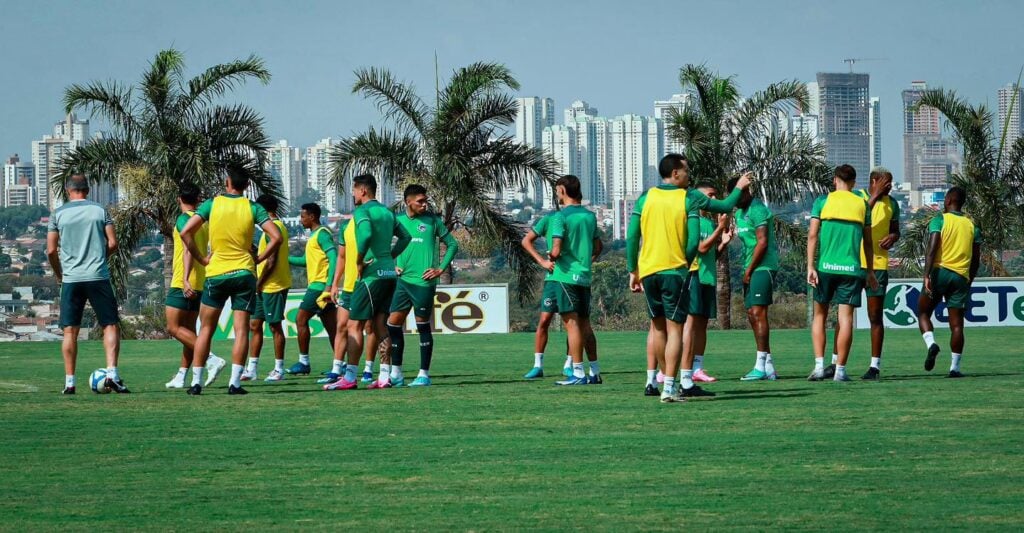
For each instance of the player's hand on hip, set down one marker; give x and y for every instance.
(432, 273)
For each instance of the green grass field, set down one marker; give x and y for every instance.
(484, 450)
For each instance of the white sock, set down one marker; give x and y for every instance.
(835, 358)
(819, 363)
(350, 372)
(538, 360)
(304, 358)
(568, 362)
(396, 373)
(69, 380)
(929, 338)
(670, 385)
(112, 373)
(236, 375)
(876, 363)
(955, 364)
(840, 371)
(687, 378)
(769, 364)
(594, 369)
(197, 375)
(698, 362)
(423, 374)
(385, 372)
(253, 365)
(279, 365)
(338, 367)
(368, 367)
(759, 363)
(182, 371)
(577, 370)
(651, 376)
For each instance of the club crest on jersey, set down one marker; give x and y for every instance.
(422, 227)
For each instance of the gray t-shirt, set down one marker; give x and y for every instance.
(83, 240)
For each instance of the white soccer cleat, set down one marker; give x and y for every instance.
(177, 382)
(214, 366)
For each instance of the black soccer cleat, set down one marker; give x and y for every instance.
(651, 390)
(697, 393)
(117, 386)
(830, 372)
(233, 390)
(194, 390)
(933, 352)
(872, 374)
(68, 390)
(955, 374)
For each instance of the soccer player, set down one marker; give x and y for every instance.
(659, 248)
(701, 284)
(273, 279)
(549, 226)
(182, 304)
(574, 246)
(319, 260)
(951, 264)
(230, 269)
(79, 238)
(375, 225)
(885, 231)
(755, 228)
(840, 226)
(418, 272)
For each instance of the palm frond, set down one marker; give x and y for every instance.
(786, 167)
(470, 87)
(384, 152)
(752, 117)
(132, 222)
(161, 78)
(483, 220)
(112, 102)
(218, 80)
(396, 100)
(973, 128)
(101, 161)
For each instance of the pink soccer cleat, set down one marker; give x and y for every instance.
(702, 377)
(341, 384)
(381, 384)
(660, 378)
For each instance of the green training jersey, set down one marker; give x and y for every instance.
(579, 229)
(422, 253)
(375, 227)
(705, 263)
(550, 226)
(757, 215)
(843, 217)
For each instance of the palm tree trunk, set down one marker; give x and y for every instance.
(724, 291)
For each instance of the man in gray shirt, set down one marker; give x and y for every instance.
(79, 239)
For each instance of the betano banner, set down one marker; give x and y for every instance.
(993, 302)
(481, 308)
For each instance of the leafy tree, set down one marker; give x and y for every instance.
(457, 147)
(14, 221)
(167, 131)
(5, 262)
(308, 196)
(725, 135)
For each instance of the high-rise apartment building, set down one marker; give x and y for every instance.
(560, 142)
(805, 126)
(318, 175)
(579, 109)
(636, 147)
(928, 158)
(593, 145)
(1010, 108)
(533, 115)
(18, 186)
(844, 102)
(284, 163)
(663, 112)
(875, 132)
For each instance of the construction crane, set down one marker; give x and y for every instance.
(853, 60)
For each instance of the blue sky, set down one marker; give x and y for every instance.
(619, 56)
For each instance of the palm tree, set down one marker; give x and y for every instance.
(456, 147)
(992, 174)
(167, 132)
(725, 134)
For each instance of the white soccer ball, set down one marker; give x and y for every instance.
(98, 381)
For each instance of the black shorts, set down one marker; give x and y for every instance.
(100, 296)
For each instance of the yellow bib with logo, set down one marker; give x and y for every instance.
(231, 229)
(317, 264)
(956, 248)
(197, 277)
(663, 230)
(881, 217)
(281, 278)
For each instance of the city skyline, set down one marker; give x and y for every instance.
(309, 97)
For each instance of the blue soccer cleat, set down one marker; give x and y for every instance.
(534, 373)
(573, 381)
(595, 380)
(420, 381)
(299, 369)
(328, 378)
(367, 377)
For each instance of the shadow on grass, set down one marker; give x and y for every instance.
(763, 395)
(943, 375)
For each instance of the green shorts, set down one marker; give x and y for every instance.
(270, 306)
(666, 296)
(951, 287)
(371, 297)
(759, 290)
(838, 289)
(309, 302)
(703, 298)
(176, 299)
(100, 296)
(419, 298)
(883, 283)
(346, 300)
(565, 298)
(241, 288)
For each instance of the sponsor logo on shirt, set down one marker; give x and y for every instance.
(841, 268)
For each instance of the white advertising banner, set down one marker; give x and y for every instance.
(479, 308)
(993, 302)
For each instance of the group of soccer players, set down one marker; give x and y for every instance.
(385, 266)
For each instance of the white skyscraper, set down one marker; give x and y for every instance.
(636, 145)
(804, 125)
(662, 111)
(593, 156)
(560, 142)
(813, 100)
(875, 132)
(534, 114)
(318, 174)
(285, 164)
(1013, 129)
(579, 109)
(18, 184)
